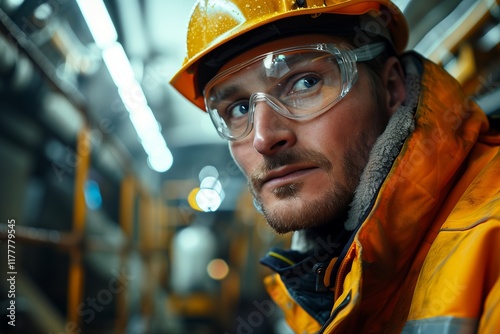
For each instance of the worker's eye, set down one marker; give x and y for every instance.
(305, 84)
(237, 109)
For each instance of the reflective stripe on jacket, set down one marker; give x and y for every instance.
(427, 257)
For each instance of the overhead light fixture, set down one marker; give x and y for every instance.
(161, 162)
(99, 22)
(118, 65)
(104, 33)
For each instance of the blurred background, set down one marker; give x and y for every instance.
(127, 212)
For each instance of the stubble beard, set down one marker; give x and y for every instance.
(310, 214)
(331, 208)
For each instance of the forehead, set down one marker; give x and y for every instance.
(281, 43)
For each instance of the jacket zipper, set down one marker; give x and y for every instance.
(338, 286)
(340, 278)
(335, 312)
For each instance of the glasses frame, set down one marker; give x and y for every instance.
(346, 59)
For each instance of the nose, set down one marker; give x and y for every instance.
(271, 131)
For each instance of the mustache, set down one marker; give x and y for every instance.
(288, 157)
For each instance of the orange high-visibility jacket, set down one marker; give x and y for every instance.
(426, 259)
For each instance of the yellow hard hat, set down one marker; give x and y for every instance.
(216, 24)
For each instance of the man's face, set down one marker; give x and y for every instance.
(304, 173)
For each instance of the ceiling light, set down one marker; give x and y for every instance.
(99, 22)
(162, 162)
(118, 65)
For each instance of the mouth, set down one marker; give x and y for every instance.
(285, 175)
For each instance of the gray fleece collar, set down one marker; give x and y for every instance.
(386, 148)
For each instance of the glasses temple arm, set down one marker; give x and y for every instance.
(368, 52)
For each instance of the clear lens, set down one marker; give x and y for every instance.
(298, 83)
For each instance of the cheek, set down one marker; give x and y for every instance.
(335, 129)
(243, 155)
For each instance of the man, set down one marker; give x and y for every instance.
(384, 170)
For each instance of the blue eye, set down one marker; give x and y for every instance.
(305, 83)
(238, 110)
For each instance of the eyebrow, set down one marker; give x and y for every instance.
(237, 88)
(224, 93)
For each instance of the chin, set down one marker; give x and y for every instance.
(295, 213)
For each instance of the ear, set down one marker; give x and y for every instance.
(393, 80)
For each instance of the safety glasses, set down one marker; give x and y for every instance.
(298, 83)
